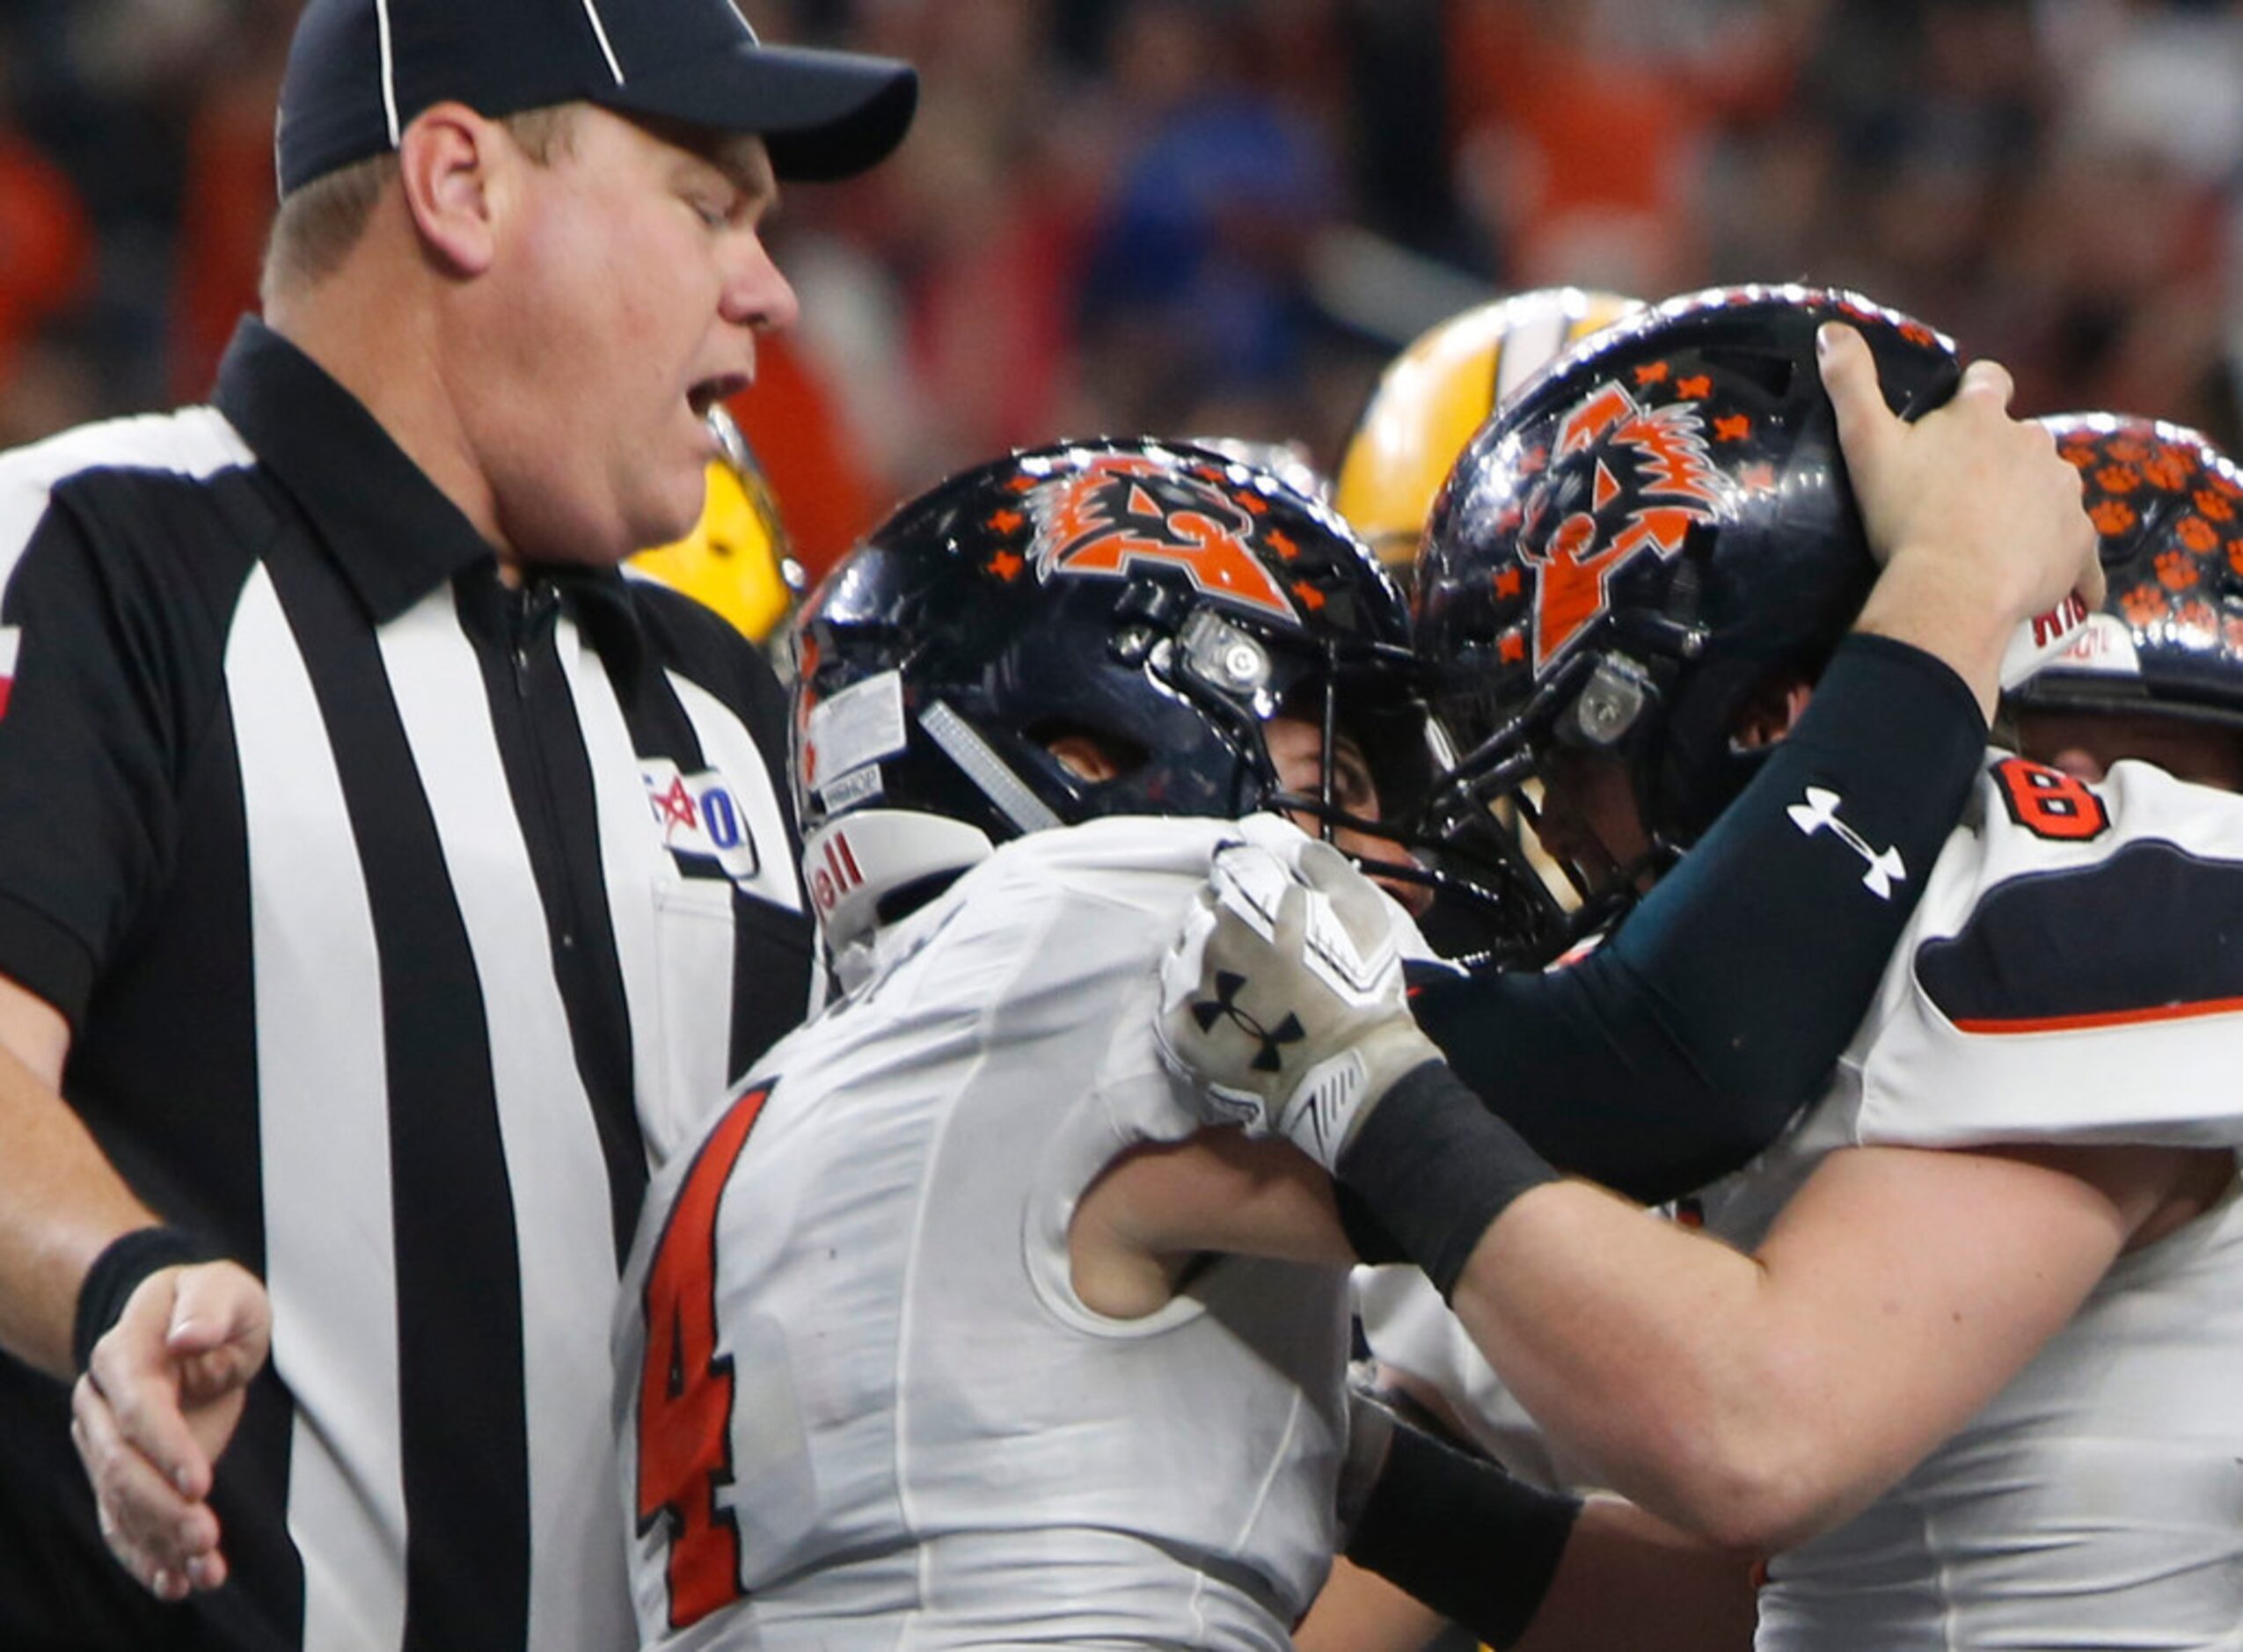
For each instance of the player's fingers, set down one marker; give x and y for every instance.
(1323, 868)
(1355, 900)
(1249, 882)
(2093, 585)
(1866, 426)
(1988, 381)
(1288, 937)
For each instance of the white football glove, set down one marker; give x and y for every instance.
(1282, 1004)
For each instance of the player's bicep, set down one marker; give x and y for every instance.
(1911, 1285)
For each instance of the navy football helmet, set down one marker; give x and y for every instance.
(1164, 599)
(1643, 539)
(2168, 506)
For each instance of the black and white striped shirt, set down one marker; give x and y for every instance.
(401, 916)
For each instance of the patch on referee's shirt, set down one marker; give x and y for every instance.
(700, 821)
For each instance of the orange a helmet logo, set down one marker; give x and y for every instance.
(1119, 511)
(1650, 466)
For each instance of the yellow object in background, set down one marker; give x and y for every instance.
(1433, 396)
(736, 560)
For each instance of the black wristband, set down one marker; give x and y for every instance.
(117, 1273)
(1435, 1167)
(1367, 1235)
(1462, 1536)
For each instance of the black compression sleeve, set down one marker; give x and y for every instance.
(1462, 1536)
(1673, 1053)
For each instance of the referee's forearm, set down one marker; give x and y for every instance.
(61, 1201)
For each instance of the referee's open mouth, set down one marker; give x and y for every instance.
(710, 392)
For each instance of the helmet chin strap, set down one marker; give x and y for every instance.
(852, 863)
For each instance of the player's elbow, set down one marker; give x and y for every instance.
(1755, 1484)
(1754, 1507)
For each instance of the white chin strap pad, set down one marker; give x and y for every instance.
(847, 863)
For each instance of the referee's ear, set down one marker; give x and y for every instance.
(456, 170)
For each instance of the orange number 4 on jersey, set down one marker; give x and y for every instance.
(685, 1390)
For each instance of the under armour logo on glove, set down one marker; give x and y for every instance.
(1225, 1007)
(1820, 813)
(1282, 1005)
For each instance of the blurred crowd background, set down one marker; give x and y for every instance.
(1223, 217)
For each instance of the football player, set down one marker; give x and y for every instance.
(1962, 1372)
(2157, 676)
(906, 1334)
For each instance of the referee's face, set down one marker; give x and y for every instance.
(637, 285)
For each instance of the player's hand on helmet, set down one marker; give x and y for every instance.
(1977, 517)
(154, 1411)
(1283, 1004)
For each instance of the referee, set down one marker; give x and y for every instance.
(385, 883)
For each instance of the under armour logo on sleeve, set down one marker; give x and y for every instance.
(1820, 813)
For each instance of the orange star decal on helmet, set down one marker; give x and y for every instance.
(1281, 543)
(1652, 373)
(1311, 598)
(1731, 427)
(1510, 647)
(1115, 513)
(1006, 566)
(1507, 581)
(1697, 386)
(1007, 521)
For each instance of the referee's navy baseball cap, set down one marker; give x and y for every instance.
(360, 71)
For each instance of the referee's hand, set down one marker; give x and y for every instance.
(154, 1411)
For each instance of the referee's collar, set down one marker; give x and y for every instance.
(394, 533)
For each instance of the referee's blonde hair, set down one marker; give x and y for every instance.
(317, 225)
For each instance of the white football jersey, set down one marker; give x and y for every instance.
(861, 1406)
(2075, 975)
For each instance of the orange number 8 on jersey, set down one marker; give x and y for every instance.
(2050, 804)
